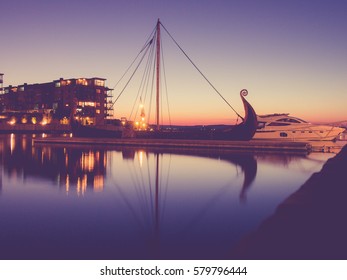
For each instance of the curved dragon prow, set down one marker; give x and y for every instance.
(248, 127)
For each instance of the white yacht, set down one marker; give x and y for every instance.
(285, 127)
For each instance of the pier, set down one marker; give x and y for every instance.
(253, 145)
(20, 128)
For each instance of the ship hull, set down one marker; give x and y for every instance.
(241, 132)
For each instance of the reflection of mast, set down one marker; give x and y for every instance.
(156, 235)
(157, 196)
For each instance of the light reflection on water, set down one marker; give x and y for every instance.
(92, 203)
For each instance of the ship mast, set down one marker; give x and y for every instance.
(158, 73)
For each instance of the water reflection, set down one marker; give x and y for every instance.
(84, 168)
(132, 203)
(78, 169)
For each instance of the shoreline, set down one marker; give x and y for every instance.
(309, 224)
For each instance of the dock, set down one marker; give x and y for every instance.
(21, 128)
(253, 145)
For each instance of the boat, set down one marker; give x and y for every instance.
(100, 130)
(286, 127)
(243, 131)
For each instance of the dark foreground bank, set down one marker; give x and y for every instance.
(310, 224)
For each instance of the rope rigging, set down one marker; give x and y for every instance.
(132, 75)
(144, 83)
(196, 67)
(147, 74)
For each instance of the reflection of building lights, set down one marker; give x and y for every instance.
(141, 158)
(98, 183)
(67, 185)
(12, 143)
(88, 161)
(70, 135)
(82, 185)
(24, 143)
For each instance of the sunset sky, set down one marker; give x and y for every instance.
(290, 55)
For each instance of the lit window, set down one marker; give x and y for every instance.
(57, 84)
(99, 83)
(278, 124)
(92, 104)
(289, 120)
(97, 111)
(21, 88)
(82, 82)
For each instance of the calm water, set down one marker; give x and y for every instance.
(107, 203)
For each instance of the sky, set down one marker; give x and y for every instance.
(291, 56)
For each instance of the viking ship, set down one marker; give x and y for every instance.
(243, 131)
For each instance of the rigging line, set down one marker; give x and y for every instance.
(144, 189)
(148, 73)
(148, 42)
(150, 186)
(138, 192)
(196, 67)
(141, 85)
(132, 75)
(160, 183)
(161, 107)
(165, 83)
(147, 76)
(166, 187)
(130, 206)
(207, 206)
(161, 120)
(152, 91)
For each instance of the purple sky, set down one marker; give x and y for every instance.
(290, 55)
